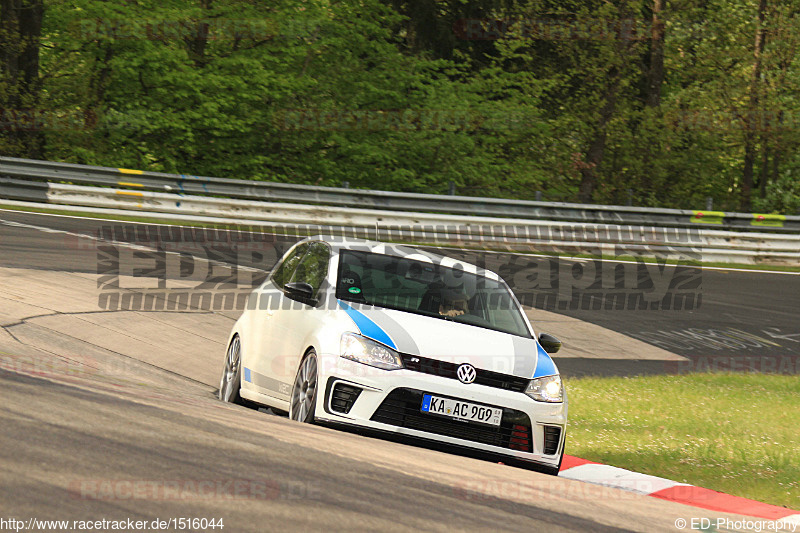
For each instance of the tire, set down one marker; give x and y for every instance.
(304, 390)
(231, 381)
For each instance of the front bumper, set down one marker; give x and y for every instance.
(389, 401)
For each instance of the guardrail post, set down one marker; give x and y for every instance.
(346, 184)
(630, 197)
(709, 203)
(452, 189)
(538, 196)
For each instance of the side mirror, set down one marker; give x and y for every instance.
(550, 343)
(300, 291)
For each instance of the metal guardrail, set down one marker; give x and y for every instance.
(16, 172)
(461, 221)
(686, 244)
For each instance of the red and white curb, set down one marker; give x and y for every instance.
(659, 487)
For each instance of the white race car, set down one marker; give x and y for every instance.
(392, 339)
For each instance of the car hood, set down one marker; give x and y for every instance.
(450, 341)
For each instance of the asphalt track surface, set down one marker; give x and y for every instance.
(80, 447)
(115, 438)
(726, 318)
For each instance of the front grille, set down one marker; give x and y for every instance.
(448, 370)
(343, 397)
(401, 408)
(552, 436)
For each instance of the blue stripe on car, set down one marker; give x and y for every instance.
(247, 375)
(544, 364)
(367, 327)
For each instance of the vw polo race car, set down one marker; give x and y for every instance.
(387, 338)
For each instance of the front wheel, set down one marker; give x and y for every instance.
(230, 383)
(304, 391)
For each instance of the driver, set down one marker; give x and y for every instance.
(454, 303)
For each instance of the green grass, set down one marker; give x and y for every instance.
(735, 433)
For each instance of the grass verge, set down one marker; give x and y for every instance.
(735, 433)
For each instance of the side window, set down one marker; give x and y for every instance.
(284, 272)
(314, 266)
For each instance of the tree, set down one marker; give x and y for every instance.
(753, 110)
(637, 100)
(20, 35)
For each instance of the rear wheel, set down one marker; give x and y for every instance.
(230, 383)
(304, 391)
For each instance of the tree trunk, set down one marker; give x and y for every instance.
(197, 43)
(764, 174)
(776, 161)
(21, 29)
(9, 43)
(30, 31)
(594, 155)
(655, 79)
(747, 175)
(655, 74)
(752, 120)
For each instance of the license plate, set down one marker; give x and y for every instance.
(461, 410)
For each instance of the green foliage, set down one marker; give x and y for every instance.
(411, 96)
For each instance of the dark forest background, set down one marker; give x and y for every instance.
(652, 103)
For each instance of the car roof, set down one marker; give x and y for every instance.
(338, 243)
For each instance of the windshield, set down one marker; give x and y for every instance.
(429, 289)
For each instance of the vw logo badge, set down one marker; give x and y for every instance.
(466, 373)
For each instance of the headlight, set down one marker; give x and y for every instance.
(546, 389)
(363, 350)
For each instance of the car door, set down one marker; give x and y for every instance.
(261, 372)
(297, 320)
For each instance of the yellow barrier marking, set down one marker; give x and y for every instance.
(131, 193)
(707, 217)
(129, 171)
(129, 184)
(772, 221)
